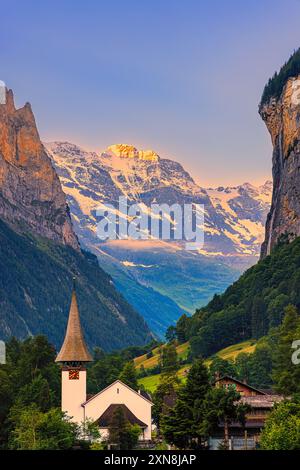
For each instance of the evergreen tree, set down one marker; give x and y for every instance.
(164, 397)
(166, 391)
(128, 375)
(260, 365)
(216, 303)
(276, 309)
(256, 368)
(168, 359)
(182, 425)
(171, 334)
(98, 354)
(104, 371)
(142, 371)
(219, 366)
(121, 433)
(6, 399)
(259, 325)
(268, 287)
(286, 375)
(275, 85)
(182, 328)
(221, 406)
(36, 392)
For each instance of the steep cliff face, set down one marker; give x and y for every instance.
(31, 197)
(282, 118)
(36, 262)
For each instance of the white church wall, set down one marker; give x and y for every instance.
(118, 393)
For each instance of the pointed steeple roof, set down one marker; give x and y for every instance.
(74, 348)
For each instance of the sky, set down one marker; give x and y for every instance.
(183, 78)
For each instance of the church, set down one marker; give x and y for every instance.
(73, 358)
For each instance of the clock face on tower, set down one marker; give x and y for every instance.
(73, 374)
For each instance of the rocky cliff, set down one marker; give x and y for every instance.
(37, 259)
(281, 115)
(31, 197)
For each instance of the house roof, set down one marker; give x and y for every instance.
(262, 401)
(115, 382)
(74, 348)
(145, 394)
(224, 377)
(105, 419)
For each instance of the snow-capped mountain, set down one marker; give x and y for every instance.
(234, 219)
(234, 216)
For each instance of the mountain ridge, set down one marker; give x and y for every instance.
(233, 231)
(111, 176)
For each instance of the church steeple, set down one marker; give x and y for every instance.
(74, 349)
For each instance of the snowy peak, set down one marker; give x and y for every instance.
(136, 171)
(129, 151)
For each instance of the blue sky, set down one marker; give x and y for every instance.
(181, 77)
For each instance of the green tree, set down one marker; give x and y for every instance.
(91, 430)
(182, 328)
(121, 433)
(182, 426)
(171, 334)
(219, 366)
(256, 368)
(282, 428)
(260, 363)
(6, 399)
(30, 376)
(34, 430)
(286, 375)
(227, 320)
(259, 324)
(25, 433)
(221, 406)
(169, 359)
(243, 367)
(276, 309)
(142, 371)
(37, 392)
(98, 354)
(164, 397)
(128, 375)
(32, 365)
(105, 371)
(275, 84)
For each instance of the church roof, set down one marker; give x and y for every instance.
(118, 381)
(106, 417)
(74, 348)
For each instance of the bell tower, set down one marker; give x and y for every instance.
(73, 358)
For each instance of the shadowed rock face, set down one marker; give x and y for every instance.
(31, 197)
(282, 118)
